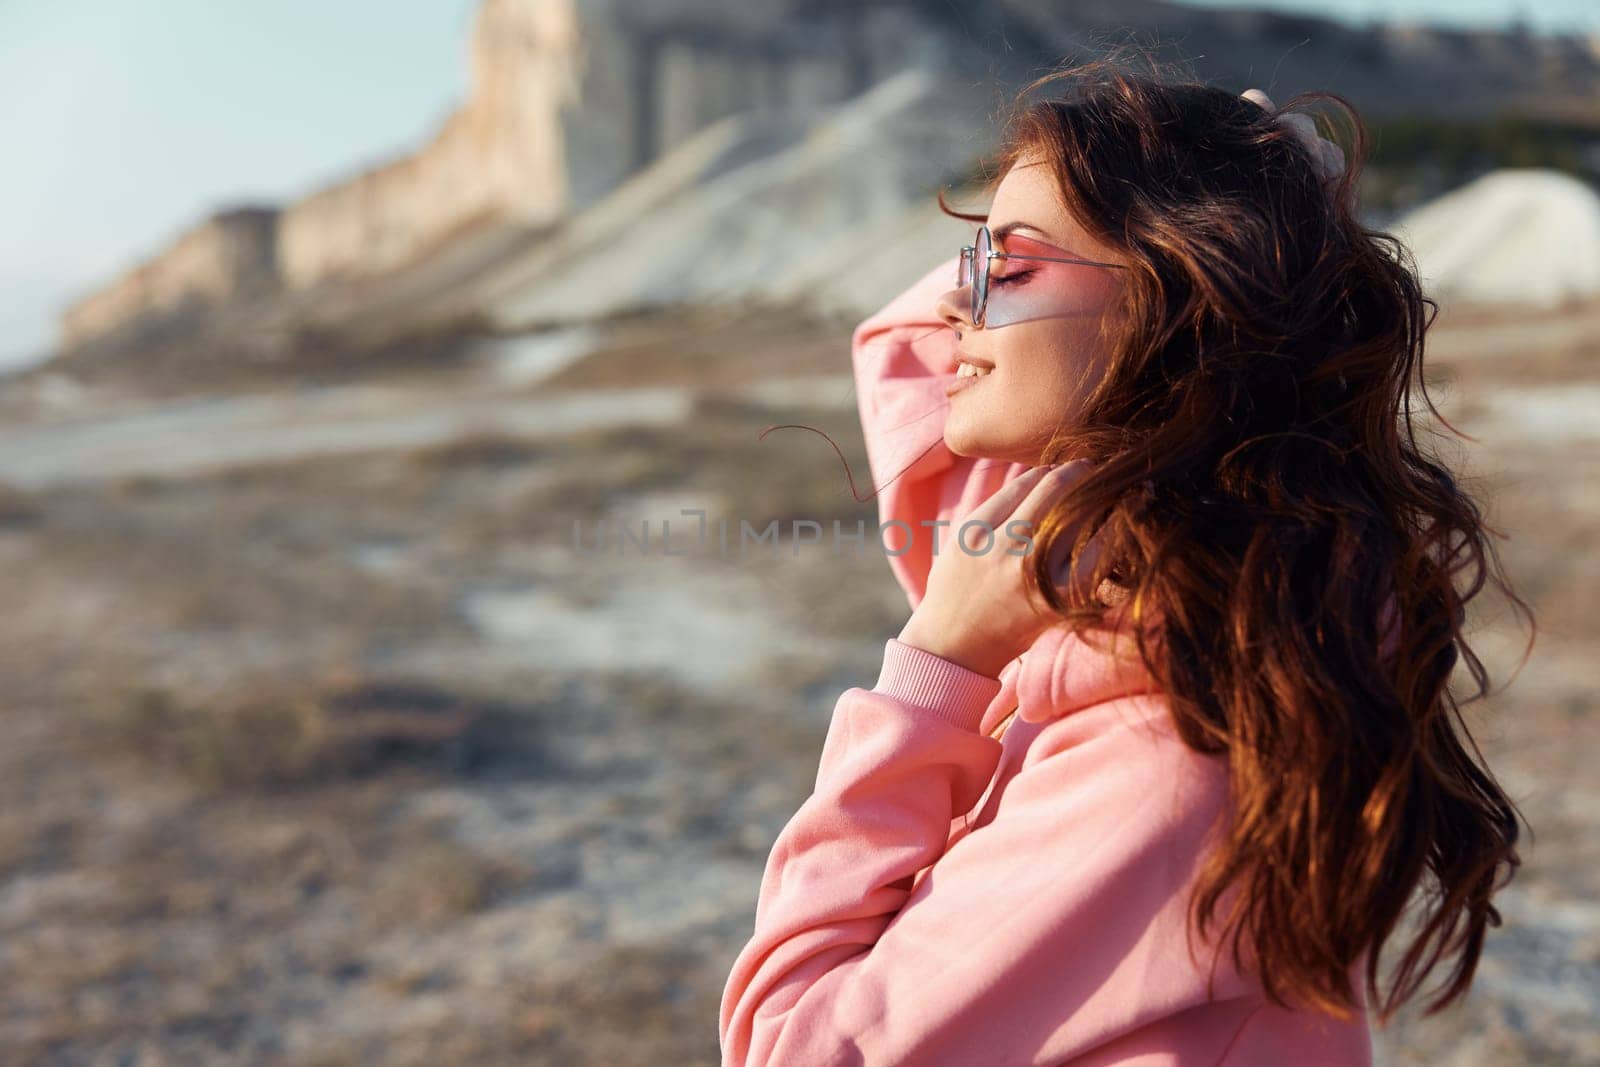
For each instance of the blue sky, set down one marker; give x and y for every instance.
(126, 122)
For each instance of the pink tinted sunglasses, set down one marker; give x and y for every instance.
(983, 253)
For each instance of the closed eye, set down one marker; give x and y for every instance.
(1011, 279)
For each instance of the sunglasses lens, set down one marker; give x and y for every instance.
(980, 265)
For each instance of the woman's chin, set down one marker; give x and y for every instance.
(970, 444)
(967, 444)
(958, 442)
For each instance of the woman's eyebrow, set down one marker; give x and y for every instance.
(1001, 233)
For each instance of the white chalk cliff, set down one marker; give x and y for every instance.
(717, 150)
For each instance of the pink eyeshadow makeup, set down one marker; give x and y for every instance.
(1039, 289)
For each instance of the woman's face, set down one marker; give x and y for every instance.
(1041, 325)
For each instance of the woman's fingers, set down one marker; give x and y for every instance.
(1087, 560)
(1032, 507)
(1023, 500)
(1259, 98)
(1327, 155)
(1038, 503)
(1020, 503)
(1003, 501)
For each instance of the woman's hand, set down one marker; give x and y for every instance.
(977, 611)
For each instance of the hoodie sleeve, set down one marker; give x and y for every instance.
(1052, 929)
(903, 356)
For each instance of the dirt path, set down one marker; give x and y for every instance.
(195, 436)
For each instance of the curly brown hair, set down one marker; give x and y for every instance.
(1264, 495)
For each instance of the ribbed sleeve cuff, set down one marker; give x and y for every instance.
(948, 690)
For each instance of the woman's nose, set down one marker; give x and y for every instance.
(954, 308)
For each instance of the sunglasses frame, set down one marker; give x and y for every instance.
(979, 279)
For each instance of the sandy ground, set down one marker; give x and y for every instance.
(326, 745)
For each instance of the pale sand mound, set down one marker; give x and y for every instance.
(1514, 236)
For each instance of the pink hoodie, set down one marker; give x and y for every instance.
(946, 898)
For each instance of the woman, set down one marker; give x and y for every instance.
(1159, 789)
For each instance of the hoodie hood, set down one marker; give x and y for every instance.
(1063, 672)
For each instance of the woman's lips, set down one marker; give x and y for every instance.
(966, 381)
(969, 370)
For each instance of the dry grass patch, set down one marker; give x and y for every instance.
(285, 732)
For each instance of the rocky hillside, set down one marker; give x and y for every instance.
(693, 133)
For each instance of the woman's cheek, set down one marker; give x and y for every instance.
(1015, 304)
(1056, 291)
